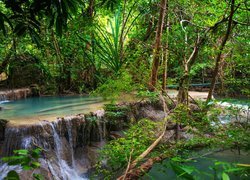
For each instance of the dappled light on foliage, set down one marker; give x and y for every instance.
(172, 79)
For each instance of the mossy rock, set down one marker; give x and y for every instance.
(115, 107)
(116, 116)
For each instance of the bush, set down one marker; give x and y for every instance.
(113, 87)
(117, 152)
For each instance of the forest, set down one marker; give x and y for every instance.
(124, 89)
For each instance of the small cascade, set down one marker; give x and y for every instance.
(65, 170)
(69, 128)
(3, 98)
(60, 140)
(4, 169)
(26, 143)
(15, 94)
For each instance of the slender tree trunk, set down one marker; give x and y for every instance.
(165, 55)
(91, 8)
(188, 63)
(157, 47)
(183, 86)
(59, 59)
(149, 31)
(222, 45)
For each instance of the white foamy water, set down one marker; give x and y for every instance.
(66, 171)
(5, 168)
(238, 106)
(5, 101)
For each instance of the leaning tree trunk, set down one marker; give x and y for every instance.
(165, 55)
(222, 45)
(157, 47)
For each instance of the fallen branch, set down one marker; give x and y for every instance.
(135, 173)
(129, 162)
(145, 167)
(151, 147)
(144, 154)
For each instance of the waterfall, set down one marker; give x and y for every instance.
(26, 142)
(69, 128)
(65, 143)
(66, 171)
(3, 98)
(15, 94)
(4, 169)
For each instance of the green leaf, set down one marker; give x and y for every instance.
(21, 152)
(188, 169)
(36, 153)
(225, 176)
(12, 175)
(26, 167)
(181, 172)
(38, 177)
(35, 164)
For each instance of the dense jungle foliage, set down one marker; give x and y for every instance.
(110, 47)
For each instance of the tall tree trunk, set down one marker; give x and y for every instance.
(91, 8)
(157, 47)
(165, 55)
(222, 45)
(59, 59)
(187, 64)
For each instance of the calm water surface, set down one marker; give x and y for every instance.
(41, 108)
(161, 171)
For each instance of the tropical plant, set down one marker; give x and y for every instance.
(28, 160)
(25, 16)
(111, 43)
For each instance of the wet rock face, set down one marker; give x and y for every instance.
(149, 110)
(3, 124)
(73, 131)
(15, 94)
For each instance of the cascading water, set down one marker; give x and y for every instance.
(67, 172)
(69, 128)
(14, 94)
(65, 143)
(3, 99)
(4, 169)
